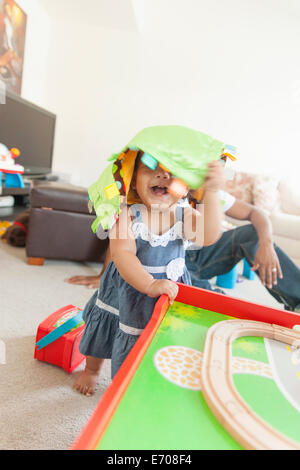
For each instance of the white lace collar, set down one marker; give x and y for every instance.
(140, 229)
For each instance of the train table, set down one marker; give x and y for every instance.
(209, 372)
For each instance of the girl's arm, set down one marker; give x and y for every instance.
(203, 226)
(123, 254)
(213, 216)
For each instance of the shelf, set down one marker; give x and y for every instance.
(11, 213)
(15, 191)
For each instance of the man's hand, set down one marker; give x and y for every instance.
(266, 261)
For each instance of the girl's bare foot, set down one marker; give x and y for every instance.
(86, 383)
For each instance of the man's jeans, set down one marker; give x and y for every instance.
(233, 246)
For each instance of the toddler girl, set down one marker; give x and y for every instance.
(147, 247)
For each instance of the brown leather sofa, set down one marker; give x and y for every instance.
(60, 225)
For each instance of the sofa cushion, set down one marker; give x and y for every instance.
(265, 193)
(241, 186)
(59, 196)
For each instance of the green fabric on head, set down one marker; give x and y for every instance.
(184, 151)
(104, 208)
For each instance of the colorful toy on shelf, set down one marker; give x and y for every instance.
(4, 225)
(12, 172)
(183, 152)
(58, 338)
(209, 372)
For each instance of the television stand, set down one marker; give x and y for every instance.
(21, 196)
(16, 191)
(41, 177)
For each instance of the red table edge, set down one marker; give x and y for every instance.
(102, 415)
(219, 303)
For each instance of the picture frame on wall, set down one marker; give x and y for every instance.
(13, 21)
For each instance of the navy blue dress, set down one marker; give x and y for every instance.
(117, 313)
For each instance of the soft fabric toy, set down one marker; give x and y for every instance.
(4, 225)
(16, 233)
(182, 151)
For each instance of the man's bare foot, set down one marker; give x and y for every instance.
(91, 282)
(86, 383)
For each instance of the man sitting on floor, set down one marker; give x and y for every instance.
(253, 241)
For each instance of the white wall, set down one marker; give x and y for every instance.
(37, 44)
(92, 82)
(230, 69)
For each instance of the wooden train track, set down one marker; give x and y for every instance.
(245, 426)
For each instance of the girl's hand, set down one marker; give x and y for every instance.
(215, 179)
(163, 286)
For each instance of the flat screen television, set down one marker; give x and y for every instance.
(32, 130)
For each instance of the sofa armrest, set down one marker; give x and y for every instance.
(286, 225)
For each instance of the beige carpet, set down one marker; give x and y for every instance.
(38, 408)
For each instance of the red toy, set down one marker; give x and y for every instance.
(63, 351)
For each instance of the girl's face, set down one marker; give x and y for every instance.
(152, 187)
